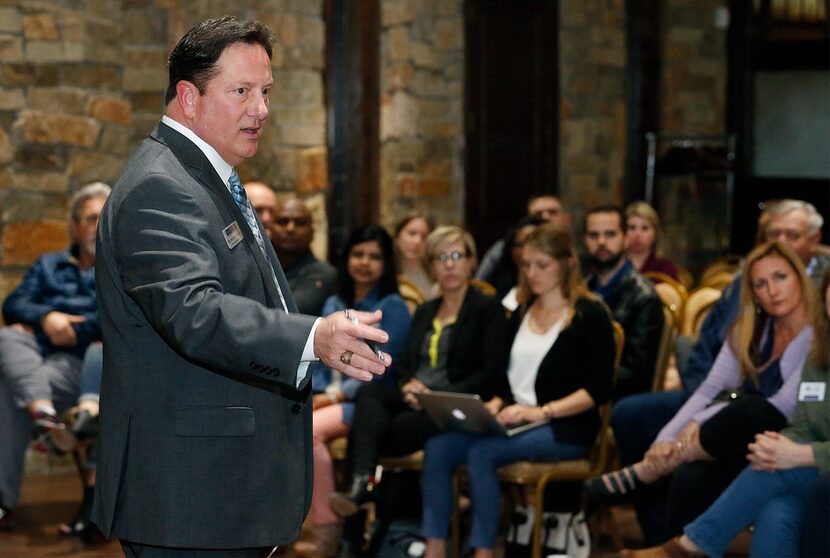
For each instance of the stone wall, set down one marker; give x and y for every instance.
(421, 126)
(693, 103)
(82, 83)
(592, 103)
(64, 119)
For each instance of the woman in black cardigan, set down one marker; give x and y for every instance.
(561, 351)
(453, 345)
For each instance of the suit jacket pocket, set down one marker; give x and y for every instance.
(215, 421)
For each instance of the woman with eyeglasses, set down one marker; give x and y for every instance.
(367, 281)
(560, 370)
(453, 345)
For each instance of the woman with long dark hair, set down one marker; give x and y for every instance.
(367, 281)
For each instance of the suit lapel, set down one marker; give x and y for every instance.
(198, 166)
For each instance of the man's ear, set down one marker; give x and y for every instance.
(187, 96)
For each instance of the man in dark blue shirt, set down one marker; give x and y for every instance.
(51, 319)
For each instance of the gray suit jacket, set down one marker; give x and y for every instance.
(205, 438)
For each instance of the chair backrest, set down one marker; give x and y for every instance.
(483, 286)
(601, 451)
(729, 263)
(674, 297)
(664, 350)
(409, 291)
(686, 278)
(719, 280)
(697, 306)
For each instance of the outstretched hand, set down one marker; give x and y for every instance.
(339, 344)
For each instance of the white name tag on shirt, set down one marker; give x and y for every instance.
(233, 234)
(811, 391)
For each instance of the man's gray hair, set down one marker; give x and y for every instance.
(88, 192)
(782, 207)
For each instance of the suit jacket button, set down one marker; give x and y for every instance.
(296, 408)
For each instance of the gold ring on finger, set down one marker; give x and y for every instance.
(346, 357)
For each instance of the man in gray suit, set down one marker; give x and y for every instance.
(205, 407)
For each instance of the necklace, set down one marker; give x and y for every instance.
(541, 319)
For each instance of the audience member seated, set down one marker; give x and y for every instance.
(52, 318)
(633, 301)
(454, 345)
(560, 370)
(543, 206)
(770, 493)
(798, 224)
(505, 277)
(410, 244)
(367, 282)
(637, 419)
(264, 201)
(311, 281)
(642, 239)
(752, 387)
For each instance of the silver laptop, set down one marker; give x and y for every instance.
(464, 411)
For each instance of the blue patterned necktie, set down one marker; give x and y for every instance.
(241, 198)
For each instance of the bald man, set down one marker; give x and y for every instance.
(292, 231)
(264, 201)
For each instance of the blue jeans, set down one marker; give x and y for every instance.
(483, 455)
(636, 420)
(773, 501)
(91, 369)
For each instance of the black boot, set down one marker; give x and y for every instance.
(345, 504)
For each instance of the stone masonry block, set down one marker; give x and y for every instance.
(51, 182)
(9, 20)
(42, 127)
(435, 187)
(25, 242)
(88, 166)
(41, 157)
(297, 86)
(423, 55)
(45, 51)
(6, 147)
(40, 27)
(95, 76)
(17, 74)
(111, 109)
(12, 99)
(145, 79)
(58, 99)
(396, 12)
(449, 34)
(312, 170)
(398, 44)
(286, 30)
(311, 34)
(398, 116)
(11, 48)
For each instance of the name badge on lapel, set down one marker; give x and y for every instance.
(811, 391)
(233, 234)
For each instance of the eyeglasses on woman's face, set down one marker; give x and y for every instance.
(454, 256)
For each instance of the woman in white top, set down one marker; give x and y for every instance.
(560, 369)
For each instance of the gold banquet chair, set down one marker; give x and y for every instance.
(539, 475)
(665, 348)
(698, 305)
(410, 293)
(674, 296)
